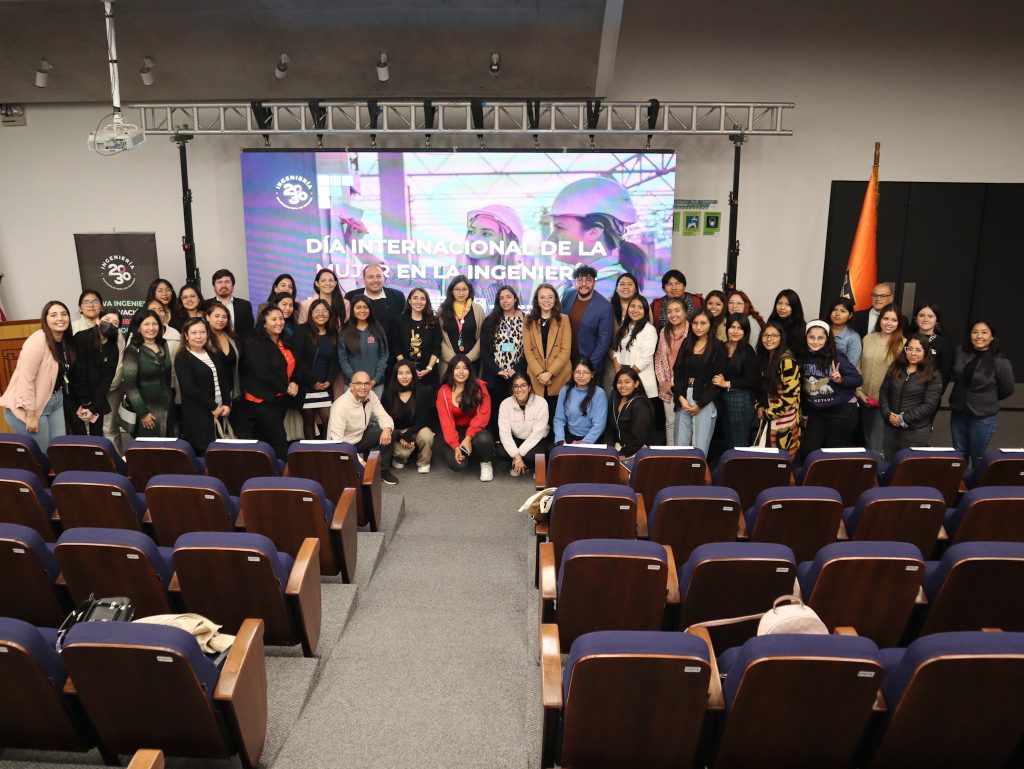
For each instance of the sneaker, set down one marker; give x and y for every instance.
(486, 471)
(388, 477)
(423, 469)
(513, 473)
(396, 465)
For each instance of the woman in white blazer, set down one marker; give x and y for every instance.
(634, 344)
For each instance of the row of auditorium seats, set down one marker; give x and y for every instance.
(122, 687)
(334, 465)
(227, 577)
(658, 699)
(886, 591)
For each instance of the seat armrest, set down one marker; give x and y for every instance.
(541, 529)
(147, 759)
(174, 586)
(641, 518)
(845, 630)
(842, 535)
(922, 597)
(991, 630)
(540, 472)
(623, 475)
(242, 688)
(672, 580)
(304, 588)
(372, 487)
(548, 573)
(346, 507)
(943, 534)
(550, 668)
(240, 520)
(344, 532)
(716, 700)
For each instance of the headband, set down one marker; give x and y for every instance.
(818, 324)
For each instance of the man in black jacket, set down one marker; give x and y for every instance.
(863, 321)
(239, 309)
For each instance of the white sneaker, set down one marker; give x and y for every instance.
(513, 473)
(395, 465)
(486, 471)
(424, 469)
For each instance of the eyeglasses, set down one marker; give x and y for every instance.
(915, 350)
(360, 384)
(521, 386)
(771, 336)
(91, 303)
(881, 296)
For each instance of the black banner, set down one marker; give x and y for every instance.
(120, 266)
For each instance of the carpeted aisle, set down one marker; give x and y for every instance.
(435, 666)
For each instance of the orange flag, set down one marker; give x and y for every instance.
(862, 269)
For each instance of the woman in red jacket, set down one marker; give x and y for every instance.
(464, 409)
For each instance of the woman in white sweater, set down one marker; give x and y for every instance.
(522, 425)
(634, 345)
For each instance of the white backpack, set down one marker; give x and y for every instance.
(794, 617)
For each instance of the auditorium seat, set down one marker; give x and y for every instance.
(797, 701)
(953, 700)
(336, 467)
(897, 514)
(1000, 467)
(85, 452)
(178, 504)
(806, 518)
(99, 500)
(116, 562)
(940, 468)
(728, 580)
(685, 517)
(976, 585)
(869, 586)
(750, 471)
(21, 452)
(290, 510)
(849, 471)
(607, 584)
(590, 511)
(658, 467)
(25, 500)
(229, 577)
(143, 685)
(34, 713)
(988, 514)
(147, 457)
(579, 463)
(29, 588)
(235, 461)
(626, 698)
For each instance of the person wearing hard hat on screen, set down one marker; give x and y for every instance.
(501, 226)
(598, 210)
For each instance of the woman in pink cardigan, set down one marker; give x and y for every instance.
(34, 401)
(670, 339)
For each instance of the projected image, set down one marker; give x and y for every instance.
(516, 218)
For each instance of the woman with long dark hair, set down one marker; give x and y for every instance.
(315, 344)
(409, 402)
(419, 338)
(90, 304)
(625, 290)
(162, 291)
(909, 398)
(501, 348)
(147, 375)
(189, 305)
(222, 338)
(829, 399)
(204, 380)
(879, 350)
(701, 358)
(632, 415)
(34, 400)
(464, 409)
(283, 284)
(789, 313)
(848, 341)
(738, 301)
(547, 345)
(461, 320)
(582, 410)
(739, 383)
(326, 287)
(285, 302)
(523, 426)
(778, 398)
(927, 320)
(97, 356)
(982, 377)
(364, 345)
(270, 380)
(670, 342)
(634, 345)
(714, 303)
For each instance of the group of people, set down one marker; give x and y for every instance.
(384, 371)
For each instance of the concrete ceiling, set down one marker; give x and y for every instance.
(226, 50)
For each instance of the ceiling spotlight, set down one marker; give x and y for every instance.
(495, 65)
(383, 75)
(282, 67)
(146, 73)
(43, 73)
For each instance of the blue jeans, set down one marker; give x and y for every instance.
(971, 434)
(51, 421)
(696, 430)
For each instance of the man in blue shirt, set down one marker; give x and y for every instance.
(590, 316)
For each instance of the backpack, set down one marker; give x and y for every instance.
(795, 617)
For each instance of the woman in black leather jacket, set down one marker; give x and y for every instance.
(909, 397)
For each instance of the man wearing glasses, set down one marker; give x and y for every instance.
(863, 321)
(590, 316)
(350, 421)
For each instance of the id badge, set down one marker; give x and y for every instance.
(508, 347)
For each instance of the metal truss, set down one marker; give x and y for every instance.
(474, 117)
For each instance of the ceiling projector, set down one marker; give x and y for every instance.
(116, 137)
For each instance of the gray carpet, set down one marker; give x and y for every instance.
(434, 668)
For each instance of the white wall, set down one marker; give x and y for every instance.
(941, 91)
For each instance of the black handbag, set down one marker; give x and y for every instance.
(117, 609)
(126, 416)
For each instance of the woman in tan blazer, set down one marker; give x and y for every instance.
(34, 400)
(547, 345)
